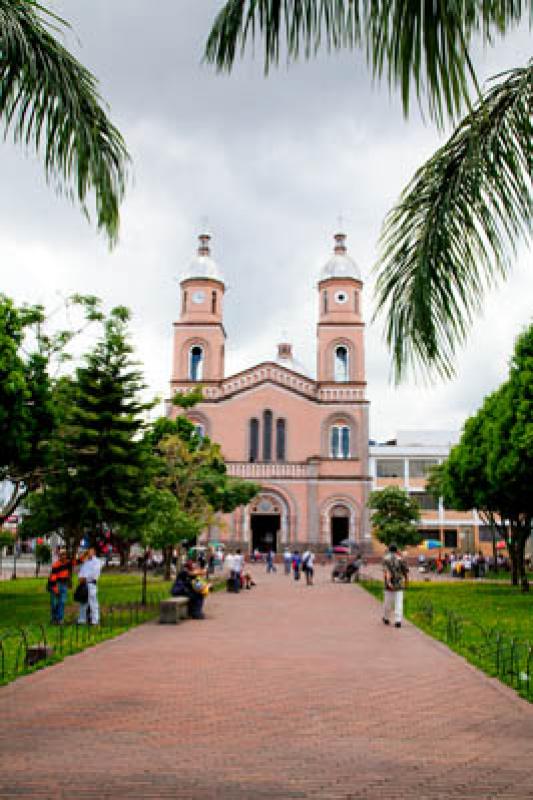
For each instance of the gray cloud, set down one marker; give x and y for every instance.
(272, 162)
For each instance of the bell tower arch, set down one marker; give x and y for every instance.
(199, 335)
(340, 340)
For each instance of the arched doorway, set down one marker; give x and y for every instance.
(339, 524)
(268, 521)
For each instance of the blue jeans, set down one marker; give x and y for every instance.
(57, 603)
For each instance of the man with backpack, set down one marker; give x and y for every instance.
(308, 566)
(395, 574)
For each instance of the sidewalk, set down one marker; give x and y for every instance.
(286, 691)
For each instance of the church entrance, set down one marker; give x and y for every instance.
(340, 524)
(265, 529)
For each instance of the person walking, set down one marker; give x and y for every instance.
(395, 574)
(296, 564)
(58, 582)
(287, 559)
(270, 565)
(238, 564)
(90, 574)
(308, 566)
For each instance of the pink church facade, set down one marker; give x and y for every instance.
(303, 439)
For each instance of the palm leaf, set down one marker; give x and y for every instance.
(415, 44)
(456, 228)
(50, 101)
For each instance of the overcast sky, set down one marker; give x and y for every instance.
(271, 163)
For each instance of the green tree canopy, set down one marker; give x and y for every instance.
(50, 102)
(101, 463)
(491, 469)
(418, 46)
(29, 357)
(395, 516)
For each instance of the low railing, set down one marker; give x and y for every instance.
(57, 641)
(245, 469)
(499, 654)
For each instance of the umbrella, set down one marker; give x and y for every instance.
(500, 545)
(431, 544)
(340, 549)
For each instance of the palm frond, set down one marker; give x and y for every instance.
(419, 45)
(50, 101)
(456, 228)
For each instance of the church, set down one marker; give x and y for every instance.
(303, 439)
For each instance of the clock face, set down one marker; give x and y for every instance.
(341, 297)
(198, 297)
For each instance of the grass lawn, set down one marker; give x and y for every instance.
(26, 601)
(25, 604)
(490, 624)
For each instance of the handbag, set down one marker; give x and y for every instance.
(81, 595)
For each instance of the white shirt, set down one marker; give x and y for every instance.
(308, 559)
(238, 562)
(228, 562)
(90, 569)
(287, 555)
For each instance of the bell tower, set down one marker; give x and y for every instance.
(199, 335)
(340, 341)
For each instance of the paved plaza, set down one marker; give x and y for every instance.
(285, 691)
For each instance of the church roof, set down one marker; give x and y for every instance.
(340, 265)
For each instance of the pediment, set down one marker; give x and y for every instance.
(266, 373)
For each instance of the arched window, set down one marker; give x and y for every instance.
(199, 430)
(196, 363)
(340, 441)
(213, 302)
(340, 364)
(267, 435)
(254, 440)
(280, 440)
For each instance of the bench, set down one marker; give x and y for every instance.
(173, 610)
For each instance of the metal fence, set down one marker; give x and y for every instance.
(24, 648)
(495, 652)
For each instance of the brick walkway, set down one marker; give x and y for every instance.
(284, 692)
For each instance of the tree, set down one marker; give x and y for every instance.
(101, 462)
(395, 516)
(491, 469)
(43, 555)
(167, 524)
(468, 207)
(192, 469)
(456, 226)
(29, 356)
(50, 101)
(112, 464)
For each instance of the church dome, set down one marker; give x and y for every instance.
(203, 266)
(286, 359)
(340, 265)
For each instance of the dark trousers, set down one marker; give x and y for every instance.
(196, 605)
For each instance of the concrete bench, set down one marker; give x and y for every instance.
(173, 610)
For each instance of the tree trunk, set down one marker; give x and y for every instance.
(37, 568)
(144, 580)
(513, 555)
(521, 548)
(167, 554)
